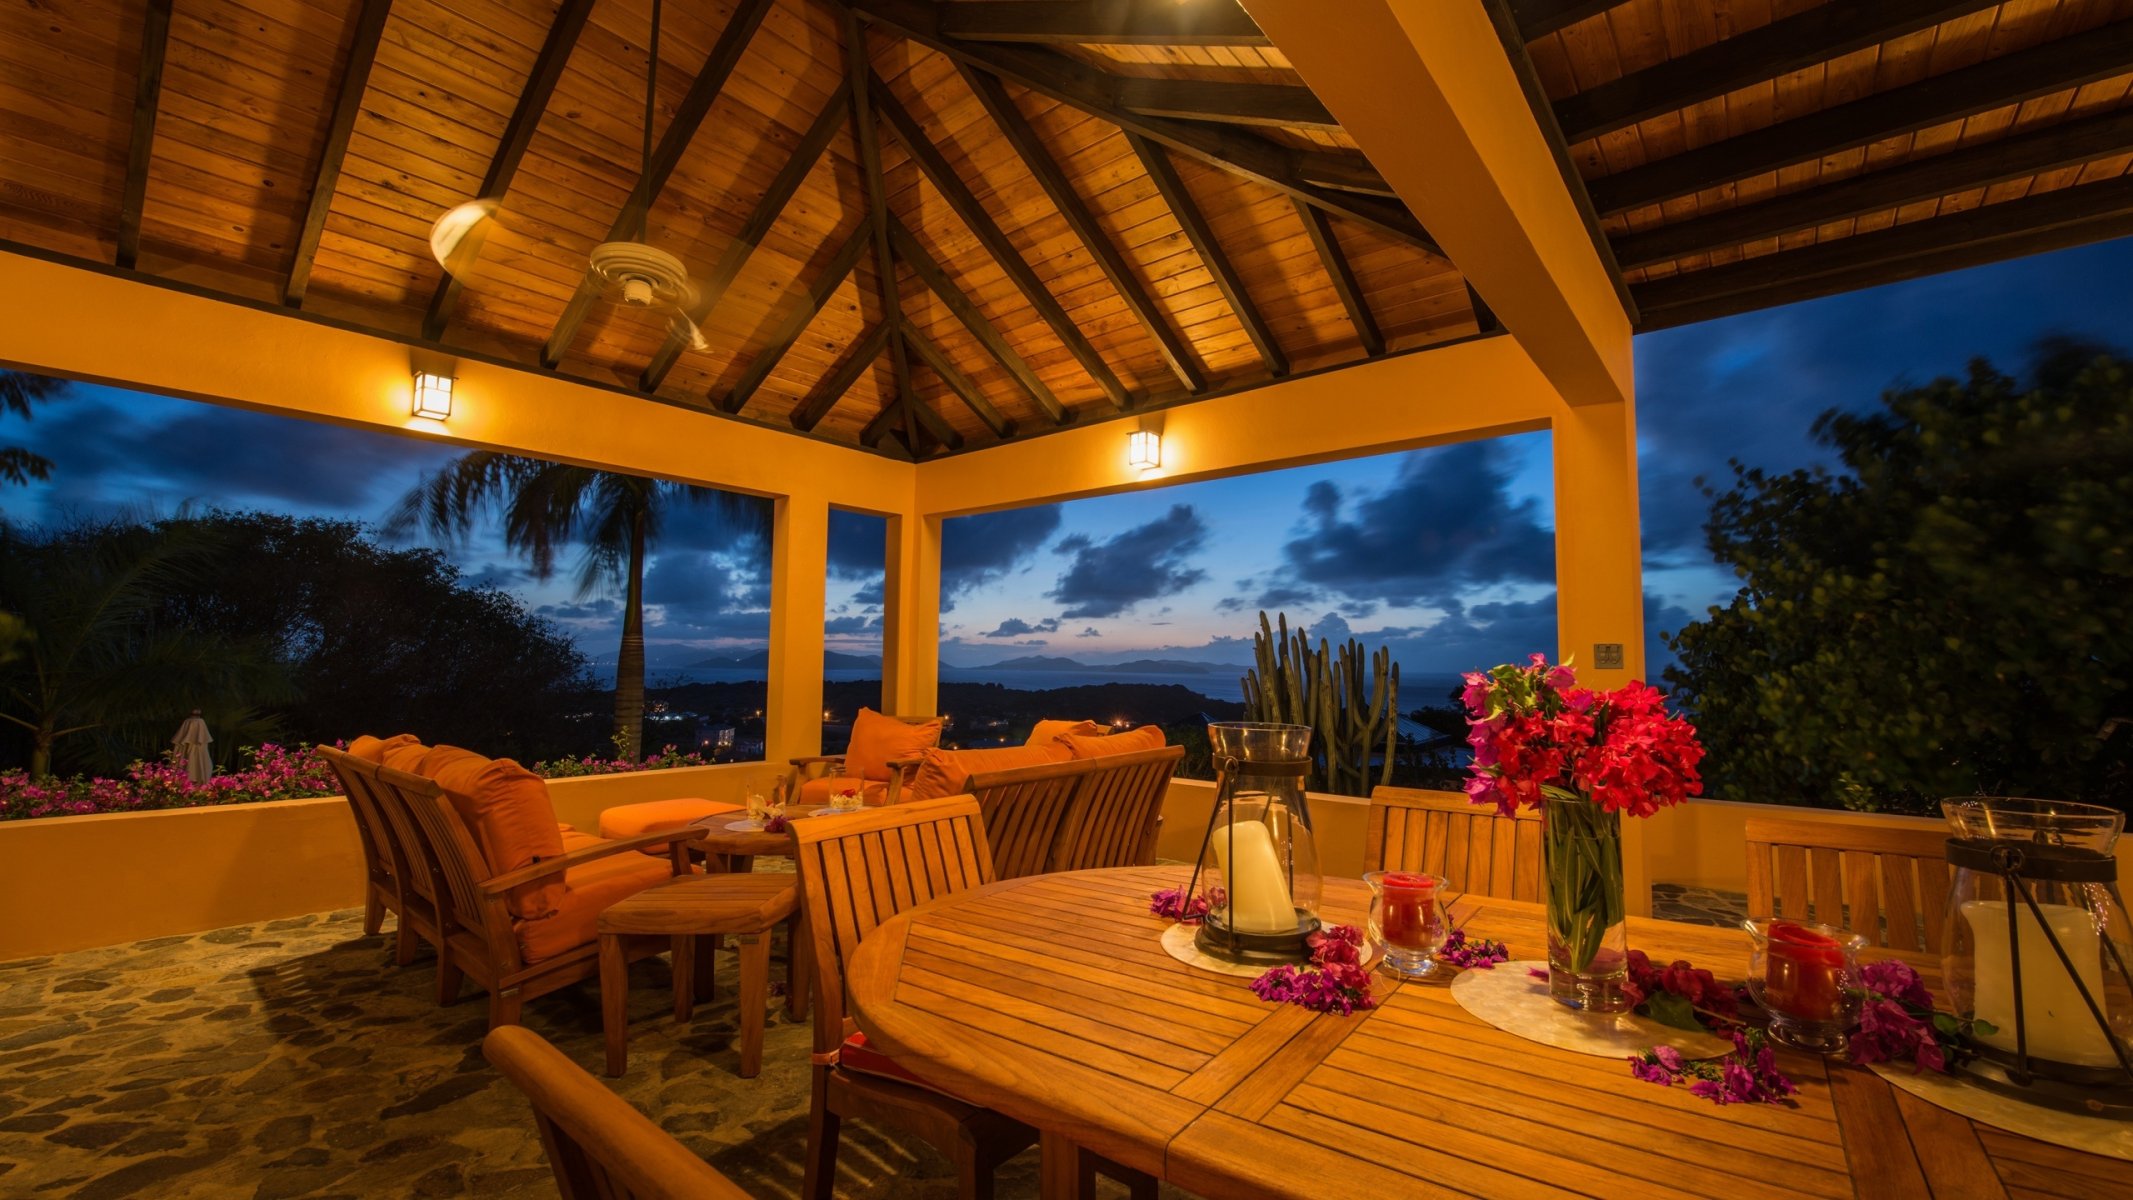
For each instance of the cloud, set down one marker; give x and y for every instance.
(1017, 627)
(1089, 631)
(978, 550)
(858, 544)
(1143, 563)
(841, 626)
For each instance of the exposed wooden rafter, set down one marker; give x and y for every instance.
(858, 74)
(1182, 206)
(1344, 172)
(937, 427)
(1001, 107)
(795, 322)
(972, 396)
(1539, 18)
(355, 76)
(831, 387)
(1801, 40)
(2012, 78)
(713, 285)
(1237, 151)
(1010, 261)
(930, 273)
(1484, 316)
(147, 95)
(1320, 227)
(1103, 22)
(681, 130)
(2049, 221)
(511, 150)
(1222, 103)
(2049, 149)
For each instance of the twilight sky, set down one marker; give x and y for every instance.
(1447, 554)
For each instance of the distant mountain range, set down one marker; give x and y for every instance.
(1137, 666)
(831, 659)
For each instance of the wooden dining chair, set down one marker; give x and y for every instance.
(384, 865)
(424, 894)
(599, 1147)
(856, 872)
(1117, 812)
(1886, 881)
(1472, 847)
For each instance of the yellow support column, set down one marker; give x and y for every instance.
(799, 560)
(1599, 573)
(911, 617)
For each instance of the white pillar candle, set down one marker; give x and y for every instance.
(2058, 1023)
(1258, 891)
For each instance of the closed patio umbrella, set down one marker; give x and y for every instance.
(192, 742)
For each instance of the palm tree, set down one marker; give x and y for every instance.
(18, 391)
(546, 506)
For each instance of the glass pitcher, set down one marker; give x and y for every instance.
(2037, 945)
(1258, 868)
(1406, 920)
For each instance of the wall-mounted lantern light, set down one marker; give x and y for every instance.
(1144, 449)
(433, 396)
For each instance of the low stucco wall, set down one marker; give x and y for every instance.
(67, 883)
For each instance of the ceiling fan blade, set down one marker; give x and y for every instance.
(456, 237)
(683, 327)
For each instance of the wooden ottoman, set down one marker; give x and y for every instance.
(747, 907)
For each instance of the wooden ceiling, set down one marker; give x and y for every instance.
(927, 227)
(1738, 154)
(916, 228)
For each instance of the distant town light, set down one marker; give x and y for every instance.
(1144, 449)
(433, 396)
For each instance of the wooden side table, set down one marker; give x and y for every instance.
(746, 906)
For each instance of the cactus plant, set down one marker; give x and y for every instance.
(1325, 689)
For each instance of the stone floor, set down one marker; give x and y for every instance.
(292, 1059)
(1698, 906)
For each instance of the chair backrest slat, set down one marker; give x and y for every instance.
(459, 859)
(380, 856)
(1114, 820)
(1473, 849)
(858, 870)
(1884, 880)
(599, 1146)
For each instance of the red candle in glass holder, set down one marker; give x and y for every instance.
(1804, 974)
(1409, 910)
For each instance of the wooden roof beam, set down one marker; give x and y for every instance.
(1237, 151)
(2054, 220)
(859, 71)
(1343, 171)
(966, 389)
(2067, 144)
(1001, 107)
(1103, 22)
(147, 94)
(1223, 103)
(355, 78)
(1165, 174)
(1539, 18)
(935, 425)
(681, 130)
(712, 288)
(930, 273)
(1320, 227)
(796, 321)
(511, 149)
(2010, 79)
(980, 223)
(1801, 40)
(831, 388)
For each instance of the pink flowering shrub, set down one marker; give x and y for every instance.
(269, 772)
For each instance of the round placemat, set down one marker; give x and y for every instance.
(1177, 941)
(2095, 1135)
(1514, 1001)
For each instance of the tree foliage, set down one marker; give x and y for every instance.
(18, 392)
(1949, 613)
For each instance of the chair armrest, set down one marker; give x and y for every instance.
(498, 884)
(815, 760)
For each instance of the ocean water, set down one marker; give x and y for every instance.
(1415, 690)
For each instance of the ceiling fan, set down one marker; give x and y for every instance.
(634, 274)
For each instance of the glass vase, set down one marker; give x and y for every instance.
(1588, 944)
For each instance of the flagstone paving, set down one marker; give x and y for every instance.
(291, 1059)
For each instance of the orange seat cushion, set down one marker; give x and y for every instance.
(1147, 737)
(856, 1055)
(373, 750)
(1048, 732)
(942, 772)
(507, 808)
(629, 820)
(587, 891)
(818, 791)
(878, 741)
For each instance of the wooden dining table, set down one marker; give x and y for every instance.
(1050, 998)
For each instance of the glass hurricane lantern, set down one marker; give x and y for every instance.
(1258, 864)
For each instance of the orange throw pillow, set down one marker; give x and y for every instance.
(407, 757)
(1048, 732)
(374, 750)
(942, 772)
(878, 741)
(1147, 737)
(507, 808)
